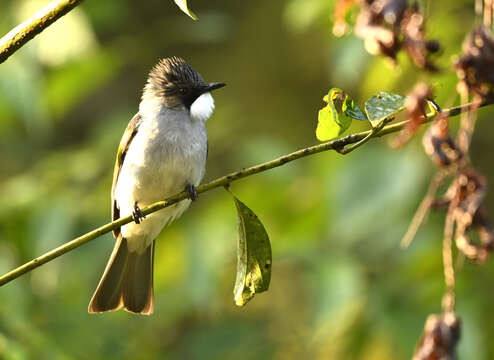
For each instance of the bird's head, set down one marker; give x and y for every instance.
(178, 85)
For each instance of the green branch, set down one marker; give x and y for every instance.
(336, 144)
(24, 32)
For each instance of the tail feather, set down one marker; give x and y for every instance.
(137, 290)
(126, 282)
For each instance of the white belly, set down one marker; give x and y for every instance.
(167, 153)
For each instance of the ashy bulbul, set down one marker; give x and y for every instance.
(162, 152)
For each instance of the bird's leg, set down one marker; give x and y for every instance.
(191, 191)
(137, 214)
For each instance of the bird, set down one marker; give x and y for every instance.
(162, 152)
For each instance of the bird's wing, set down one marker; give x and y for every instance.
(127, 137)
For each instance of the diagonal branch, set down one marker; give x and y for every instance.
(336, 144)
(24, 32)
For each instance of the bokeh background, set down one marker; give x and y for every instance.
(341, 287)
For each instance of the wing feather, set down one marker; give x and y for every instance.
(127, 137)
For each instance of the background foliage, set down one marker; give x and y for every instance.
(341, 288)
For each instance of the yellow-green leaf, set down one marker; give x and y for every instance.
(337, 115)
(254, 255)
(327, 127)
(182, 4)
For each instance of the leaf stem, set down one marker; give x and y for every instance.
(373, 132)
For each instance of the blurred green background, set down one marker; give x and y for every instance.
(341, 287)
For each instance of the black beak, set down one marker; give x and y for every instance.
(213, 86)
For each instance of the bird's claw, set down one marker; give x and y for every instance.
(191, 192)
(137, 214)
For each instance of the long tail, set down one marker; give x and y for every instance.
(127, 281)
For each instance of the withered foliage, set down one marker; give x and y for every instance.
(465, 196)
(475, 68)
(439, 339)
(439, 145)
(465, 200)
(341, 11)
(379, 25)
(416, 105)
(388, 26)
(414, 42)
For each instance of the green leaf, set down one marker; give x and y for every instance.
(351, 109)
(337, 116)
(182, 4)
(383, 106)
(254, 255)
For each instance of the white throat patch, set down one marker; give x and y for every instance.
(202, 108)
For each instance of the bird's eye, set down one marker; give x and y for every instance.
(182, 91)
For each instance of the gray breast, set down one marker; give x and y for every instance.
(175, 148)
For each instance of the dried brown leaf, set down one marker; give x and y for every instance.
(475, 68)
(416, 104)
(387, 26)
(439, 145)
(439, 339)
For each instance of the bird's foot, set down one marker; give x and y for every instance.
(137, 214)
(191, 192)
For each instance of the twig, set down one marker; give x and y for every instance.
(467, 126)
(373, 132)
(449, 271)
(422, 210)
(488, 5)
(335, 144)
(478, 7)
(24, 32)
